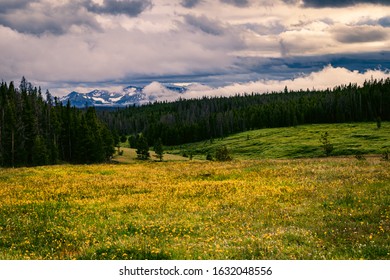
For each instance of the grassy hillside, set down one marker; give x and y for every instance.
(297, 142)
(329, 208)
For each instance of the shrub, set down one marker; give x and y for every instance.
(360, 157)
(123, 138)
(378, 122)
(385, 155)
(222, 154)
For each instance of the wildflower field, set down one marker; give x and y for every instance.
(321, 208)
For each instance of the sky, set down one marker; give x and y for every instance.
(221, 47)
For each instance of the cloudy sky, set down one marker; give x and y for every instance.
(228, 46)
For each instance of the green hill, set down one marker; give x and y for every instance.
(296, 142)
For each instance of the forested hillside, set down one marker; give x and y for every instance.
(187, 121)
(38, 131)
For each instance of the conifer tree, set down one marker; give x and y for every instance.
(326, 145)
(142, 148)
(158, 149)
(40, 155)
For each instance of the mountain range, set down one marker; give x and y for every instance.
(130, 95)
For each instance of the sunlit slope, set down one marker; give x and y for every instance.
(297, 142)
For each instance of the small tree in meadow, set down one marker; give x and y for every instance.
(133, 141)
(142, 148)
(326, 145)
(158, 149)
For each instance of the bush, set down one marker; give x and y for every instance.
(222, 154)
(385, 155)
(360, 157)
(209, 156)
(123, 139)
(378, 122)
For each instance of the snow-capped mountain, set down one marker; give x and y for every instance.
(129, 96)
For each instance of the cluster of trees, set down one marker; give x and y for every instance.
(142, 146)
(38, 131)
(194, 120)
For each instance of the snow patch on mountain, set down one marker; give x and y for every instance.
(130, 95)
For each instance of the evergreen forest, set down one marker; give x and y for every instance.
(39, 131)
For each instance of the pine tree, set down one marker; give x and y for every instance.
(158, 149)
(326, 145)
(40, 155)
(142, 148)
(95, 146)
(123, 138)
(108, 143)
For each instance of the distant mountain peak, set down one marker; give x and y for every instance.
(130, 95)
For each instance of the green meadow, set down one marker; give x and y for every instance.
(297, 142)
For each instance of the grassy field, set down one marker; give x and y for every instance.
(297, 142)
(324, 208)
(130, 156)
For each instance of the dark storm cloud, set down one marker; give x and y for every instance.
(361, 34)
(131, 8)
(385, 21)
(340, 3)
(265, 29)
(43, 18)
(7, 5)
(34, 26)
(204, 24)
(190, 3)
(237, 3)
(290, 67)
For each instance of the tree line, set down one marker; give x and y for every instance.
(38, 131)
(186, 121)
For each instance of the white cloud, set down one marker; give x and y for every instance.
(329, 77)
(156, 91)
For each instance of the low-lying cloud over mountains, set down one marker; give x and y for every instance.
(155, 91)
